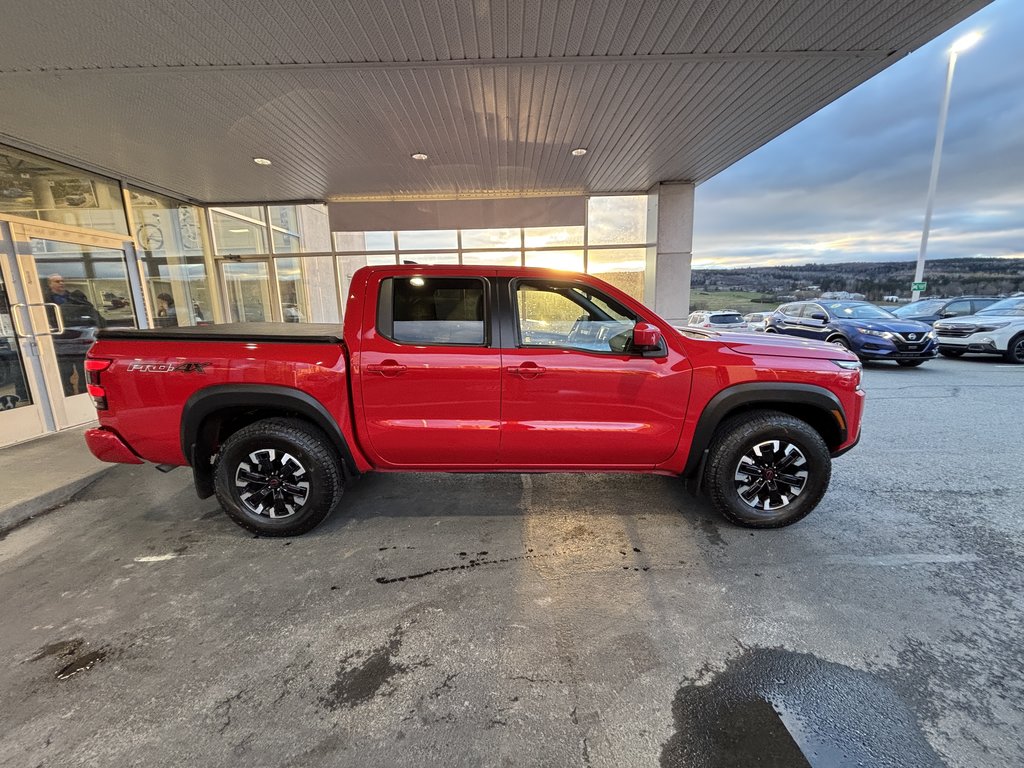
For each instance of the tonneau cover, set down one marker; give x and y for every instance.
(299, 333)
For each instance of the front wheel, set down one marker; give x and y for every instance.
(278, 477)
(767, 469)
(1015, 351)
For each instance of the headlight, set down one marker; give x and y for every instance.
(869, 332)
(992, 326)
(930, 335)
(849, 365)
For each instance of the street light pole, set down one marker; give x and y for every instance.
(959, 47)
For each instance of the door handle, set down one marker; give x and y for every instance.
(20, 331)
(387, 368)
(526, 370)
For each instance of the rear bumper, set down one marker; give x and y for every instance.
(107, 445)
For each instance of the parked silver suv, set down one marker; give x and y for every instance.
(996, 330)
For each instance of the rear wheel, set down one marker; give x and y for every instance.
(767, 469)
(278, 477)
(951, 352)
(910, 363)
(1015, 351)
(770, 330)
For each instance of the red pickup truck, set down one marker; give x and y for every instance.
(464, 369)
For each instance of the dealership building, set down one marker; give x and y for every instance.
(181, 163)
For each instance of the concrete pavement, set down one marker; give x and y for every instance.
(544, 620)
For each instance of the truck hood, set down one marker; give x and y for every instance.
(770, 344)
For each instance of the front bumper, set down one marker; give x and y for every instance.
(979, 342)
(107, 445)
(875, 348)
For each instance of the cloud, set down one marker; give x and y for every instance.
(849, 183)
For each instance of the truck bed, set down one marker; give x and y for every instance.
(302, 333)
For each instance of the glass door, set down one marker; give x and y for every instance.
(76, 283)
(22, 414)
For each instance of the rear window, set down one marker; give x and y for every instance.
(725, 319)
(432, 310)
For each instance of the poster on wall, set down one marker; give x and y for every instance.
(73, 193)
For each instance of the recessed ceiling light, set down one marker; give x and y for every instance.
(419, 156)
(261, 161)
(417, 281)
(578, 152)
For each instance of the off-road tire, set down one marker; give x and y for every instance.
(736, 438)
(308, 447)
(1015, 350)
(952, 353)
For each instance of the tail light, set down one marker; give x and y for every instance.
(93, 368)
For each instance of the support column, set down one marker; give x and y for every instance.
(670, 225)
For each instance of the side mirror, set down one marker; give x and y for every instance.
(944, 315)
(646, 336)
(819, 316)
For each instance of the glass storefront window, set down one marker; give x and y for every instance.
(494, 258)
(239, 231)
(567, 260)
(37, 188)
(553, 237)
(622, 267)
(284, 228)
(300, 228)
(428, 239)
(13, 386)
(618, 220)
(169, 237)
(292, 290)
(429, 258)
(492, 238)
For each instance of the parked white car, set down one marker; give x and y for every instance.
(996, 330)
(717, 319)
(755, 321)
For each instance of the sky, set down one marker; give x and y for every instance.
(849, 183)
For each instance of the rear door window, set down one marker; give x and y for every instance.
(433, 310)
(726, 319)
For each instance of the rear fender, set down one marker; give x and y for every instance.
(206, 411)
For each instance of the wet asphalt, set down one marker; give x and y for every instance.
(544, 620)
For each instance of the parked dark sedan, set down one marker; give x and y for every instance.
(870, 332)
(930, 310)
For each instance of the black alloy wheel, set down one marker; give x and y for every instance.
(272, 482)
(278, 477)
(771, 474)
(766, 469)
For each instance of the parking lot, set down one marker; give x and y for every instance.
(544, 620)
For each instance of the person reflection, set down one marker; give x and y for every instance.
(81, 319)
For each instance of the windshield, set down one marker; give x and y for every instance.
(1013, 306)
(858, 312)
(725, 319)
(920, 308)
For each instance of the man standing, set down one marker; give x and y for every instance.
(81, 319)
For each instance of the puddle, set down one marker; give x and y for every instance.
(82, 663)
(775, 708)
(366, 674)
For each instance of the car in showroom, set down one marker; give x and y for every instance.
(932, 309)
(870, 332)
(996, 330)
(717, 319)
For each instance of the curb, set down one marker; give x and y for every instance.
(24, 511)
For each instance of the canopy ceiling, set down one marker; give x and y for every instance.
(181, 95)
